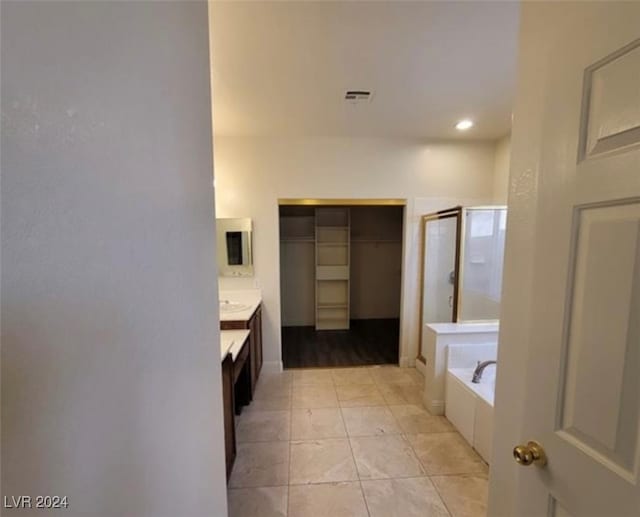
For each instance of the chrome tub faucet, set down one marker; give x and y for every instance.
(477, 373)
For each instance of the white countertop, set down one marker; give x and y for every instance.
(231, 341)
(463, 328)
(250, 297)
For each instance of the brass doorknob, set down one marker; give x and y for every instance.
(532, 453)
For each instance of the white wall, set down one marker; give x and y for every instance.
(252, 173)
(376, 262)
(517, 290)
(501, 172)
(111, 385)
(298, 283)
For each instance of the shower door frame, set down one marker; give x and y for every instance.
(456, 212)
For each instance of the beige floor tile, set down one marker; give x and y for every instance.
(401, 393)
(307, 377)
(269, 404)
(352, 376)
(369, 421)
(383, 457)
(391, 374)
(311, 424)
(253, 502)
(314, 396)
(263, 426)
(261, 464)
(321, 461)
(355, 395)
(272, 389)
(411, 497)
(465, 496)
(415, 419)
(417, 377)
(276, 379)
(446, 453)
(327, 500)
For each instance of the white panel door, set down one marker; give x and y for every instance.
(583, 377)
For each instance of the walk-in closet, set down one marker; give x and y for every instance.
(340, 274)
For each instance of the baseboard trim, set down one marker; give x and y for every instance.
(407, 362)
(272, 367)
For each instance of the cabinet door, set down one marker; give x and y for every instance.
(258, 334)
(229, 418)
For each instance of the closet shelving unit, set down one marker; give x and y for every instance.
(332, 238)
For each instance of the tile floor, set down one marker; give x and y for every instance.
(351, 442)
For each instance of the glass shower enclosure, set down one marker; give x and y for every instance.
(461, 266)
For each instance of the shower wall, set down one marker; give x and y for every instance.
(440, 262)
(482, 260)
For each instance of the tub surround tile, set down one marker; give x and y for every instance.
(370, 421)
(410, 497)
(311, 424)
(314, 396)
(352, 376)
(264, 501)
(356, 395)
(446, 453)
(414, 419)
(263, 426)
(261, 464)
(383, 457)
(321, 461)
(464, 495)
(327, 500)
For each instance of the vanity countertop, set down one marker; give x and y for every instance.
(463, 328)
(231, 341)
(250, 297)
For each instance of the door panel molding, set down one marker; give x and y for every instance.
(599, 388)
(610, 118)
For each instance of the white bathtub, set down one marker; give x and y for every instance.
(469, 406)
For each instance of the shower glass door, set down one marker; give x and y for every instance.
(440, 259)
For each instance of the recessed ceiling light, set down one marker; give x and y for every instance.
(464, 124)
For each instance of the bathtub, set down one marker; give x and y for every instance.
(469, 406)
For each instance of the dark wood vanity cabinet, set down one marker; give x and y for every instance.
(239, 378)
(255, 336)
(229, 412)
(254, 325)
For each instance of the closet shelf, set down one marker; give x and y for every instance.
(305, 239)
(332, 306)
(376, 241)
(332, 243)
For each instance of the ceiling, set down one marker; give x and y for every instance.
(282, 68)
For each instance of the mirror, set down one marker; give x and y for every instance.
(235, 247)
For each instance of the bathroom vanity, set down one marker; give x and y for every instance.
(241, 355)
(242, 310)
(234, 353)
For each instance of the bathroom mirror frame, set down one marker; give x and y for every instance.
(455, 212)
(242, 225)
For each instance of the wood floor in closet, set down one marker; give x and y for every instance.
(367, 342)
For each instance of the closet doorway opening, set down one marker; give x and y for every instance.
(340, 282)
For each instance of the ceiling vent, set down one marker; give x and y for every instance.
(358, 96)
